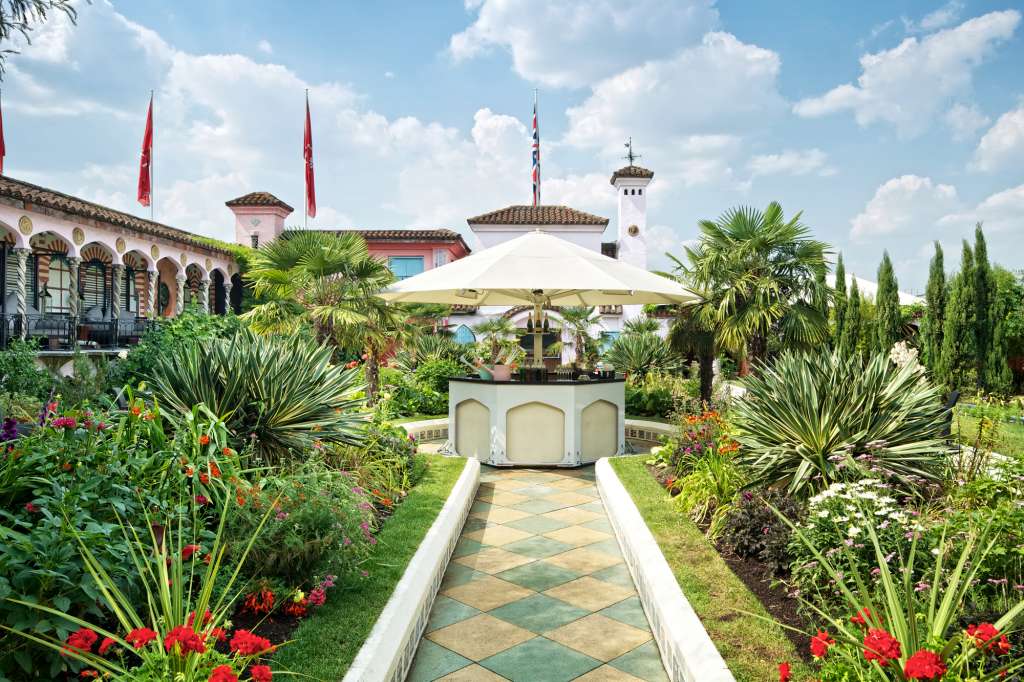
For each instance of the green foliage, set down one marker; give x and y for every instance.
(19, 373)
(497, 332)
(641, 354)
(434, 374)
(984, 296)
(888, 327)
(814, 418)
(402, 395)
(754, 531)
(932, 322)
(640, 325)
(998, 377)
(657, 394)
(839, 303)
(386, 461)
(284, 393)
(957, 368)
(850, 340)
(89, 382)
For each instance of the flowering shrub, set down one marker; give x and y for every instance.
(836, 522)
(385, 463)
(754, 531)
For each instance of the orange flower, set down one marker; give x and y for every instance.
(215, 470)
(204, 439)
(136, 410)
(189, 471)
(204, 479)
(227, 452)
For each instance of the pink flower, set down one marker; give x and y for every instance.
(31, 508)
(317, 596)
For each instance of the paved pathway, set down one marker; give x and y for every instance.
(537, 590)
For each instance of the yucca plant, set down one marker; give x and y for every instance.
(284, 393)
(813, 418)
(640, 354)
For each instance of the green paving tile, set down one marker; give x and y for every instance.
(538, 575)
(539, 613)
(537, 547)
(475, 523)
(457, 574)
(590, 491)
(433, 661)
(537, 491)
(539, 506)
(599, 524)
(466, 546)
(540, 660)
(595, 507)
(643, 662)
(609, 546)
(537, 524)
(617, 574)
(480, 506)
(447, 612)
(628, 611)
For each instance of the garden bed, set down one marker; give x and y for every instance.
(738, 623)
(325, 644)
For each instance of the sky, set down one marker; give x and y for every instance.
(890, 125)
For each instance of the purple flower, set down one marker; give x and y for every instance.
(9, 431)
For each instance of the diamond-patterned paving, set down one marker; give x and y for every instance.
(537, 590)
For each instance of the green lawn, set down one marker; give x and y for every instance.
(1009, 438)
(751, 646)
(325, 645)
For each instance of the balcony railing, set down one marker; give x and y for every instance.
(61, 332)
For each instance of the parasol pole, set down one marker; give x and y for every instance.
(538, 330)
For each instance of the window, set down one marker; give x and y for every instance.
(255, 241)
(464, 335)
(405, 266)
(640, 192)
(607, 339)
(440, 257)
(130, 292)
(55, 292)
(92, 287)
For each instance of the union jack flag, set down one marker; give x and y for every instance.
(536, 157)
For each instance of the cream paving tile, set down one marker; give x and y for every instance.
(495, 560)
(569, 484)
(580, 560)
(569, 497)
(605, 673)
(486, 592)
(476, 673)
(598, 637)
(503, 499)
(496, 514)
(480, 636)
(572, 515)
(505, 484)
(573, 535)
(587, 593)
(497, 535)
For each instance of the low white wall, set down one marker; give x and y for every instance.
(387, 653)
(687, 651)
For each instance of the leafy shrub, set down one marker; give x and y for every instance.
(433, 374)
(284, 393)
(754, 531)
(320, 521)
(657, 394)
(815, 418)
(402, 395)
(640, 354)
(19, 373)
(385, 462)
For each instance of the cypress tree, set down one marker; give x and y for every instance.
(984, 296)
(958, 364)
(839, 303)
(935, 302)
(887, 308)
(999, 377)
(851, 321)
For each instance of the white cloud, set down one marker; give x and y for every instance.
(907, 204)
(265, 47)
(1003, 144)
(964, 120)
(944, 16)
(389, 74)
(1000, 212)
(791, 162)
(907, 85)
(49, 42)
(565, 43)
(714, 88)
(591, 190)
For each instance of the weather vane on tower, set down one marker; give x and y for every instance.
(630, 156)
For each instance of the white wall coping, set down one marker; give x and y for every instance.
(387, 653)
(687, 651)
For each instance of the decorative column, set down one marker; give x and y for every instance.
(21, 292)
(227, 296)
(204, 295)
(151, 300)
(73, 299)
(179, 299)
(116, 281)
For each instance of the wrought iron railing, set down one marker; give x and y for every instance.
(61, 332)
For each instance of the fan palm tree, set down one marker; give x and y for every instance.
(640, 325)
(578, 320)
(496, 330)
(762, 273)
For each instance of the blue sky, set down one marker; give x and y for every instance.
(890, 124)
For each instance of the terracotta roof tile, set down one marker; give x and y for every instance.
(406, 235)
(631, 172)
(537, 215)
(258, 199)
(35, 196)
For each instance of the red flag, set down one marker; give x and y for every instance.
(3, 147)
(145, 172)
(307, 154)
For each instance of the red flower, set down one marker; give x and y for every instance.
(820, 644)
(261, 602)
(89, 672)
(296, 609)
(987, 636)
(204, 439)
(784, 672)
(81, 640)
(924, 665)
(227, 452)
(207, 617)
(136, 410)
(219, 634)
(223, 673)
(182, 640)
(214, 470)
(880, 646)
(201, 500)
(140, 637)
(204, 479)
(187, 551)
(106, 644)
(31, 508)
(862, 617)
(261, 673)
(248, 644)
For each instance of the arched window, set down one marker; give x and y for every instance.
(641, 191)
(464, 335)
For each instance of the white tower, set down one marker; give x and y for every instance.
(630, 182)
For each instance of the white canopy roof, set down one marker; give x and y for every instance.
(538, 267)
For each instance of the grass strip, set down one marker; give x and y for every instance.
(325, 645)
(1009, 439)
(752, 647)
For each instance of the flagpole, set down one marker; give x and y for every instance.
(305, 178)
(152, 187)
(536, 115)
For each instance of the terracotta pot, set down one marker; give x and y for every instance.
(501, 372)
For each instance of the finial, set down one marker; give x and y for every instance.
(630, 156)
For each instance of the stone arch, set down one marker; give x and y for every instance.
(135, 288)
(167, 286)
(535, 434)
(95, 280)
(237, 290)
(49, 286)
(12, 237)
(599, 430)
(473, 429)
(195, 275)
